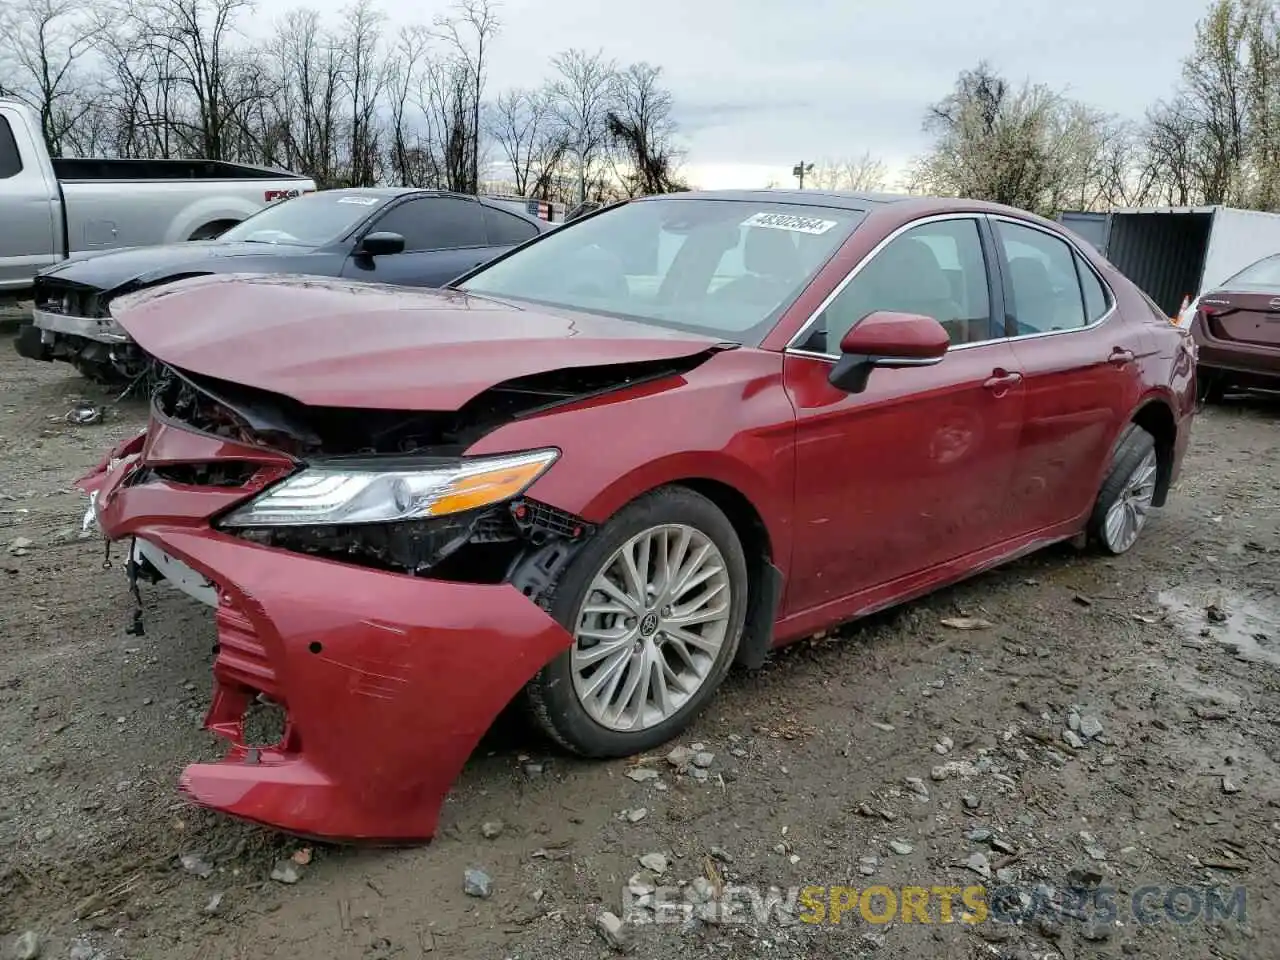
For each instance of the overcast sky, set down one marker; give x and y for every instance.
(761, 84)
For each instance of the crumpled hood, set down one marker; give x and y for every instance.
(344, 344)
(108, 269)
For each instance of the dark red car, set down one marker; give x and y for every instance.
(598, 472)
(1236, 327)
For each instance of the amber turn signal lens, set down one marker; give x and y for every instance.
(481, 489)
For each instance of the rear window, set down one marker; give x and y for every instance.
(1263, 274)
(505, 229)
(10, 160)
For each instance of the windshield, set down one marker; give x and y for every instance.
(720, 267)
(1265, 274)
(312, 220)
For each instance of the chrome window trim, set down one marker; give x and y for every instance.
(1075, 248)
(896, 361)
(804, 330)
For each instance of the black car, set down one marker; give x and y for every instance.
(393, 235)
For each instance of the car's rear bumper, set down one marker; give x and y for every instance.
(1253, 361)
(387, 681)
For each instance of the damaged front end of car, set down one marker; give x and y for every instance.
(72, 322)
(376, 592)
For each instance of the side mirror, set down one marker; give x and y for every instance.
(885, 339)
(380, 244)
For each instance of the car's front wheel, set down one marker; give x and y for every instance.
(656, 603)
(1124, 502)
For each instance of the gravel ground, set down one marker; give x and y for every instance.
(1100, 725)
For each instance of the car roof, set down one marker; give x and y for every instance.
(838, 199)
(906, 206)
(392, 193)
(395, 193)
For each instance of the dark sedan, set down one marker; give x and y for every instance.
(1236, 326)
(418, 238)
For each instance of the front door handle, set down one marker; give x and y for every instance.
(1001, 381)
(1120, 356)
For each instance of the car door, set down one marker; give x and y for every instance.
(1080, 362)
(912, 473)
(444, 236)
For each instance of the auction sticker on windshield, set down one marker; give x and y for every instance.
(786, 221)
(362, 201)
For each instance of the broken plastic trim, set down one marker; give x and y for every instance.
(482, 546)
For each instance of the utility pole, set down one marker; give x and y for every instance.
(800, 169)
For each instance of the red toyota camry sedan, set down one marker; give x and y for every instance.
(602, 469)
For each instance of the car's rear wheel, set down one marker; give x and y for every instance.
(656, 603)
(1124, 502)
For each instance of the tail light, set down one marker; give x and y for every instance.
(1188, 313)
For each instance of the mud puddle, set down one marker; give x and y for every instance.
(1249, 627)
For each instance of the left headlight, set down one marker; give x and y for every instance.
(333, 494)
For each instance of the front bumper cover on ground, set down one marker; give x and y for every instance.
(101, 329)
(387, 681)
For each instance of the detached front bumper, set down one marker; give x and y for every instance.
(99, 329)
(387, 681)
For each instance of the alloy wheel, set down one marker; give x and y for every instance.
(1127, 516)
(651, 627)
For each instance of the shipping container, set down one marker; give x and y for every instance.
(1173, 253)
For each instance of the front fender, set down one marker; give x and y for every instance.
(728, 421)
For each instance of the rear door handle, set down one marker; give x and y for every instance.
(1120, 356)
(1001, 380)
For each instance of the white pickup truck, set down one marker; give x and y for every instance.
(52, 208)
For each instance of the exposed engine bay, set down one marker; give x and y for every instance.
(522, 541)
(120, 363)
(258, 417)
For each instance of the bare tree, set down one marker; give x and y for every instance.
(1127, 171)
(411, 162)
(581, 93)
(1170, 143)
(1262, 100)
(469, 30)
(196, 40)
(41, 63)
(1028, 147)
(640, 127)
(990, 141)
(308, 66)
(345, 104)
(864, 173)
(1215, 95)
(365, 77)
(524, 124)
(444, 97)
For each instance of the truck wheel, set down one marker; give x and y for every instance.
(1124, 502)
(211, 231)
(656, 603)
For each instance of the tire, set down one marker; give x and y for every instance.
(1211, 388)
(1132, 479)
(211, 231)
(557, 696)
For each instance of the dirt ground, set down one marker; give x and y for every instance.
(1172, 651)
